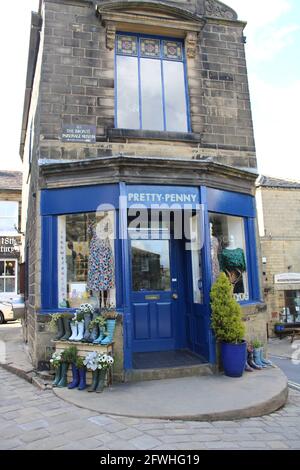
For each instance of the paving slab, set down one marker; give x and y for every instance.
(205, 398)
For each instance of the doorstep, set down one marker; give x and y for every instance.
(201, 398)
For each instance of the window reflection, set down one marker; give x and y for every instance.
(150, 265)
(128, 92)
(175, 99)
(151, 89)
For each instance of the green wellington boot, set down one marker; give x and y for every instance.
(57, 376)
(94, 384)
(101, 380)
(63, 378)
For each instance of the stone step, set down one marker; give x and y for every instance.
(139, 375)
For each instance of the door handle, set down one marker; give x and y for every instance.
(174, 296)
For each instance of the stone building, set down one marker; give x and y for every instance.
(131, 105)
(278, 206)
(11, 274)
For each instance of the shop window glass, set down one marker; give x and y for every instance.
(148, 96)
(291, 311)
(9, 217)
(150, 265)
(196, 260)
(228, 252)
(86, 259)
(8, 278)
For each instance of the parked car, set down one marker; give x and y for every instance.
(11, 309)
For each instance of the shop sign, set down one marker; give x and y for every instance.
(9, 246)
(287, 278)
(78, 133)
(162, 196)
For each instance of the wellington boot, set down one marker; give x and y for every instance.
(87, 333)
(74, 331)
(82, 379)
(57, 376)
(67, 328)
(60, 329)
(100, 337)
(75, 374)
(80, 326)
(110, 326)
(94, 384)
(263, 360)
(256, 355)
(101, 380)
(63, 378)
(248, 368)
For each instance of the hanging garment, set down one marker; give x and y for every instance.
(232, 259)
(100, 264)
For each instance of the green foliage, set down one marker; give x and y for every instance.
(256, 344)
(52, 325)
(70, 354)
(227, 320)
(79, 362)
(98, 321)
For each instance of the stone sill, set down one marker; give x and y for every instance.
(124, 134)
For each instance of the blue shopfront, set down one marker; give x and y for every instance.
(162, 248)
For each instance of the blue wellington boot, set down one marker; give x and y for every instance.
(110, 327)
(256, 355)
(63, 378)
(100, 337)
(264, 360)
(82, 377)
(75, 381)
(57, 376)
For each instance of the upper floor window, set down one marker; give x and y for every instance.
(9, 217)
(151, 84)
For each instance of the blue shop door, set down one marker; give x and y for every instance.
(154, 295)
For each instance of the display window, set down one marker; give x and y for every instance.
(228, 252)
(86, 259)
(8, 276)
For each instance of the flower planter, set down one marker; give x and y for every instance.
(234, 358)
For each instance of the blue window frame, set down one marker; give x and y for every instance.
(151, 84)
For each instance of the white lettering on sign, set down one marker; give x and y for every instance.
(160, 198)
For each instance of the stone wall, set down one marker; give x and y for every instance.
(77, 86)
(280, 244)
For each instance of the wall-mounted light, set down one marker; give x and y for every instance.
(264, 260)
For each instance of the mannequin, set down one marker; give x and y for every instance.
(233, 263)
(100, 264)
(214, 255)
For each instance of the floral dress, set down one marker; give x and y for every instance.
(100, 264)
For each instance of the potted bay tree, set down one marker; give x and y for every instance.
(228, 327)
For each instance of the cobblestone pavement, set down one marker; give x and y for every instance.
(35, 419)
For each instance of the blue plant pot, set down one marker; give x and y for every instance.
(234, 358)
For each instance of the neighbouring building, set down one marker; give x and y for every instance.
(11, 272)
(135, 107)
(278, 206)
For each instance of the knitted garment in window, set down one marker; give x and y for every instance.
(232, 259)
(100, 265)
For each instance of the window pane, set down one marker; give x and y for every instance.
(1, 268)
(1, 285)
(86, 259)
(175, 96)
(196, 260)
(9, 209)
(7, 224)
(127, 93)
(228, 252)
(10, 268)
(152, 107)
(150, 265)
(10, 284)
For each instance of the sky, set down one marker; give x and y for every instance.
(273, 59)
